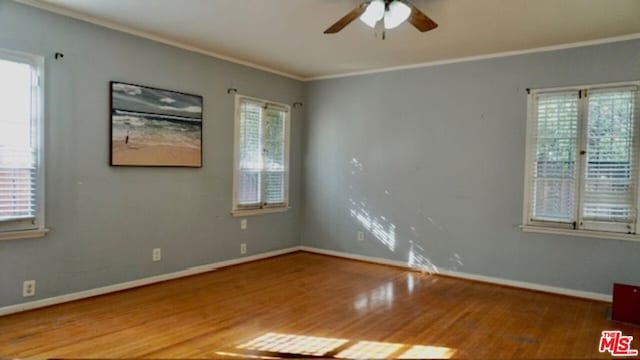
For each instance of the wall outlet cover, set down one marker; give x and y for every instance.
(157, 254)
(29, 288)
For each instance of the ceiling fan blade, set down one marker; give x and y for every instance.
(347, 19)
(421, 21)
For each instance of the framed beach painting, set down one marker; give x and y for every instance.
(154, 127)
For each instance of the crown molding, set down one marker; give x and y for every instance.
(150, 36)
(578, 44)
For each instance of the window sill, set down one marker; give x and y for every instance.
(583, 233)
(253, 212)
(24, 234)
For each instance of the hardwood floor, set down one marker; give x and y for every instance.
(312, 305)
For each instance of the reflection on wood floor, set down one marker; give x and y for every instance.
(308, 305)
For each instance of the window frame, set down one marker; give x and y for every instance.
(560, 228)
(31, 228)
(244, 210)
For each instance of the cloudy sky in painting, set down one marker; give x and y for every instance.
(155, 101)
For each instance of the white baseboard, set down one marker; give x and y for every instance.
(140, 282)
(461, 275)
(213, 266)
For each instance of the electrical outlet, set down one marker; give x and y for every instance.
(360, 235)
(157, 254)
(243, 248)
(243, 224)
(29, 288)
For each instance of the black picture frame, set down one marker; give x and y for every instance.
(152, 127)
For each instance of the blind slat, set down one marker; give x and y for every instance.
(17, 192)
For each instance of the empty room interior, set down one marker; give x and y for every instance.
(352, 179)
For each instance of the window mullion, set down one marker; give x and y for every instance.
(581, 154)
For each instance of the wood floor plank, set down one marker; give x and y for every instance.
(306, 303)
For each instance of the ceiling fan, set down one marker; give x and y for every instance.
(392, 12)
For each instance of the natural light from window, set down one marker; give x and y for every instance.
(15, 97)
(278, 345)
(369, 350)
(18, 146)
(293, 344)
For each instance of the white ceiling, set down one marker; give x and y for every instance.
(286, 35)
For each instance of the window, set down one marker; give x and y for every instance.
(261, 170)
(582, 159)
(21, 150)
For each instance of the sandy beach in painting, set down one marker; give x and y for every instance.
(154, 155)
(141, 139)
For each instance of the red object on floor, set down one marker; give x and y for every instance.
(626, 303)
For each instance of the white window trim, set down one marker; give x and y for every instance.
(38, 229)
(562, 228)
(580, 233)
(238, 211)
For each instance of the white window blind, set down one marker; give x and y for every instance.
(249, 193)
(582, 159)
(274, 157)
(20, 171)
(262, 154)
(554, 163)
(609, 180)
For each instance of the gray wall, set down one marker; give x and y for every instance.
(429, 160)
(432, 160)
(105, 220)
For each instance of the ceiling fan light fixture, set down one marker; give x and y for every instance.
(397, 14)
(374, 13)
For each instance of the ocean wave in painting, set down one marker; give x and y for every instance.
(139, 129)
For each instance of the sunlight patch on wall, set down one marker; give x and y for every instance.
(456, 260)
(356, 164)
(378, 227)
(419, 261)
(434, 223)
